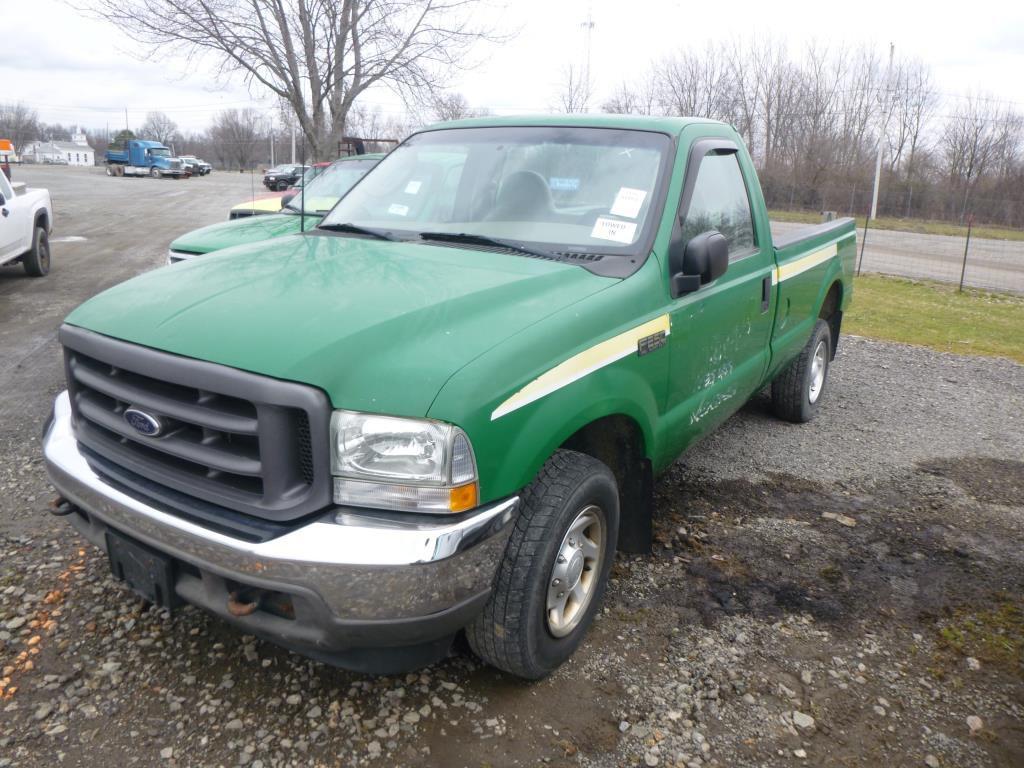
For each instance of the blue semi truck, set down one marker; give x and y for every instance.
(135, 157)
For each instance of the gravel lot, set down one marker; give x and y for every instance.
(845, 593)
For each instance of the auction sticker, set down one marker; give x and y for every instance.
(627, 202)
(413, 187)
(397, 209)
(610, 229)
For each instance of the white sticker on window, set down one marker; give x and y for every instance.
(628, 202)
(397, 209)
(610, 229)
(413, 187)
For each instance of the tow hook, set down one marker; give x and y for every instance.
(242, 602)
(60, 506)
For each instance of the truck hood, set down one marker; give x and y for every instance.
(379, 326)
(252, 229)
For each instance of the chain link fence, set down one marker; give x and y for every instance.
(976, 262)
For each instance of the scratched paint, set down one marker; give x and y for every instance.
(710, 404)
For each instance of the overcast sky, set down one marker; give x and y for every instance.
(75, 70)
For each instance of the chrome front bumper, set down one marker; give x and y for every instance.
(351, 572)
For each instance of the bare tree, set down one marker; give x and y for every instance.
(235, 135)
(970, 143)
(633, 99)
(18, 123)
(576, 91)
(316, 55)
(158, 127)
(452, 106)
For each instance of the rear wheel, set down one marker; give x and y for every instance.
(37, 261)
(797, 391)
(555, 569)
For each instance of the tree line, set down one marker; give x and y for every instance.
(812, 121)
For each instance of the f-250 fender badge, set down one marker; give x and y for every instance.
(648, 344)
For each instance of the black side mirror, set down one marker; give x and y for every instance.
(704, 259)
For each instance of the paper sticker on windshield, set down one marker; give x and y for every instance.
(413, 187)
(563, 184)
(628, 202)
(610, 229)
(397, 209)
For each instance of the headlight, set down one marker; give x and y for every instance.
(409, 465)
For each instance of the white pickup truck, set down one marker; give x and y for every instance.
(26, 220)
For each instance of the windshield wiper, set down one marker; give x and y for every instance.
(355, 229)
(468, 239)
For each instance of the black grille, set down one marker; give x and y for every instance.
(246, 442)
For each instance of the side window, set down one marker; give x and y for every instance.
(720, 202)
(5, 188)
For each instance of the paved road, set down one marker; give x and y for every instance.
(993, 264)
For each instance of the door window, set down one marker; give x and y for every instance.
(720, 202)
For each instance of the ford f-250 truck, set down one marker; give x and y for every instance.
(443, 409)
(26, 220)
(135, 157)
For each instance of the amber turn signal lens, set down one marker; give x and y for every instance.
(462, 498)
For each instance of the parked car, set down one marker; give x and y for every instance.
(26, 220)
(311, 173)
(267, 204)
(283, 176)
(195, 166)
(303, 212)
(443, 408)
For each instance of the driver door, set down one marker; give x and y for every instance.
(720, 332)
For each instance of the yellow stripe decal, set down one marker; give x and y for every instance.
(582, 364)
(810, 261)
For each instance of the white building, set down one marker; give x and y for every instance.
(77, 152)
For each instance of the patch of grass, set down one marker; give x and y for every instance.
(922, 226)
(936, 315)
(994, 636)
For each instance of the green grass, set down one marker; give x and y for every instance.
(995, 635)
(923, 226)
(935, 315)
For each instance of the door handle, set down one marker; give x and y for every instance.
(6, 213)
(766, 293)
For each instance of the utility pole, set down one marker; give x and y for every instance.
(885, 125)
(272, 163)
(293, 145)
(126, 119)
(588, 26)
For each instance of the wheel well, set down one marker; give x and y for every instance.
(42, 220)
(832, 314)
(618, 442)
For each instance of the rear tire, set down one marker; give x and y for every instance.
(555, 569)
(798, 390)
(37, 261)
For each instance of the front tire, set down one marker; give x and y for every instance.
(555, 569)
(798, 390)
(154, 173)
(37, 261)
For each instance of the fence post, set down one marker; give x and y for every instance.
(863, 241)
(967, 244)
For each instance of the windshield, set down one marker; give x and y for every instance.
(582, 189)
(160, 151)
(324, 191)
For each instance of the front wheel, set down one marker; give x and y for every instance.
(154, 173)
(798, 390)
(37, 261)
(555, 569)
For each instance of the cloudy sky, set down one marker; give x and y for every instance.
(76, 70)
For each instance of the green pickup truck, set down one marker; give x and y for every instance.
(301, 212)
(442, 410)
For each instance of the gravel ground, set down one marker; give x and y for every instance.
(841, 593)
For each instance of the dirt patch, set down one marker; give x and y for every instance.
(995, 481)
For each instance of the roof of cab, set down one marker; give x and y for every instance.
(670, 125)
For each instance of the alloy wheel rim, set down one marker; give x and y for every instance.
(818, 364)
(574, 576)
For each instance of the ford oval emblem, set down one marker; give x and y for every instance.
(143, 423)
